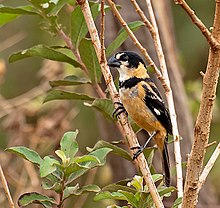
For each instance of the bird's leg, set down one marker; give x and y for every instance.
(141, 148)
(120, 109)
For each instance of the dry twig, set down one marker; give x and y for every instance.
(202, 126)
(5, 185)
(132, 140)
(208, 35)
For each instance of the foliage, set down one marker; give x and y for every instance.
(60, 173)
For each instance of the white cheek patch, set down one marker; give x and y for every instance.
(119, 55)
(157, 111)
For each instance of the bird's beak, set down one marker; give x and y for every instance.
(113, 62)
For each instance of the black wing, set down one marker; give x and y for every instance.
(155, 103)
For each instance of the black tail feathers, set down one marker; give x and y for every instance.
(166, 164)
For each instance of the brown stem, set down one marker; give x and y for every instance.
(202, 126)
(208, 35)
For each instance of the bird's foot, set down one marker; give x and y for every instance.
(120, 109)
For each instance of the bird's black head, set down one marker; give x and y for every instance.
(128, 58)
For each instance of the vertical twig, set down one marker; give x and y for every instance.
(132, 140)
(169, 96)
(202, 126)
(5, 185)
(208, 35)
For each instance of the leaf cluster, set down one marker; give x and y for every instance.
(59, 173)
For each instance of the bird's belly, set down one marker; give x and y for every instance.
(138, 111)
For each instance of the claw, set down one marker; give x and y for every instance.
(120, 109)
(141, 148)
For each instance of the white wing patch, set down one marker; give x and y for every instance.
(157, 111)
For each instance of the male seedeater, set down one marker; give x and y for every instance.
(142, 101)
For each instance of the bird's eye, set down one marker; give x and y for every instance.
(124, 57)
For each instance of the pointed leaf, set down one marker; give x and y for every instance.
(36, 198)
(115, 187)
(69, 145)
(75, 190)
(70, 190)
(43, 52)
(89, 58)
(78, 25)
(105, 106)
(5, 18)
(122, 36)
(70, 81)
(64, 95)
(130, 198)
(48, 166)
(27, 154)
(101, 154)
(177, 202)
(108, 195)
(115, 150)
(24, 10)
(76, 174)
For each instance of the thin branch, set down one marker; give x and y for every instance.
(158, 46)
(69, 44)
(203, 122)
(132, 139)
(208, 35)
(5, 185)
(138, 44)
(208, 166)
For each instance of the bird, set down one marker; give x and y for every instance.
(141, 100)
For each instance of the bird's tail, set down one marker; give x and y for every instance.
(166, 164)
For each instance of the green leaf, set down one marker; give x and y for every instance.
(101, 154)
(69, 145)
(27, 154)
(130, 198)
(78, 25)
(108, 195)
(64, 95)
(76, 174)
(86, 159)
(48, 166)
(137, 182)
(177, 202)
(166, 191)
(74, 167)
(5, 18)
(115, 150)
(70, 81)
(89, 58)
(105, 106)
(35, 198)
(43, 52)
(122, 36)
(75, 190)
(70, 190)
(8, 14)
(115, 187)
(25, 10)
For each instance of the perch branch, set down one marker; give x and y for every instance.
(208, 35)
(202, 126)
(132, 139)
